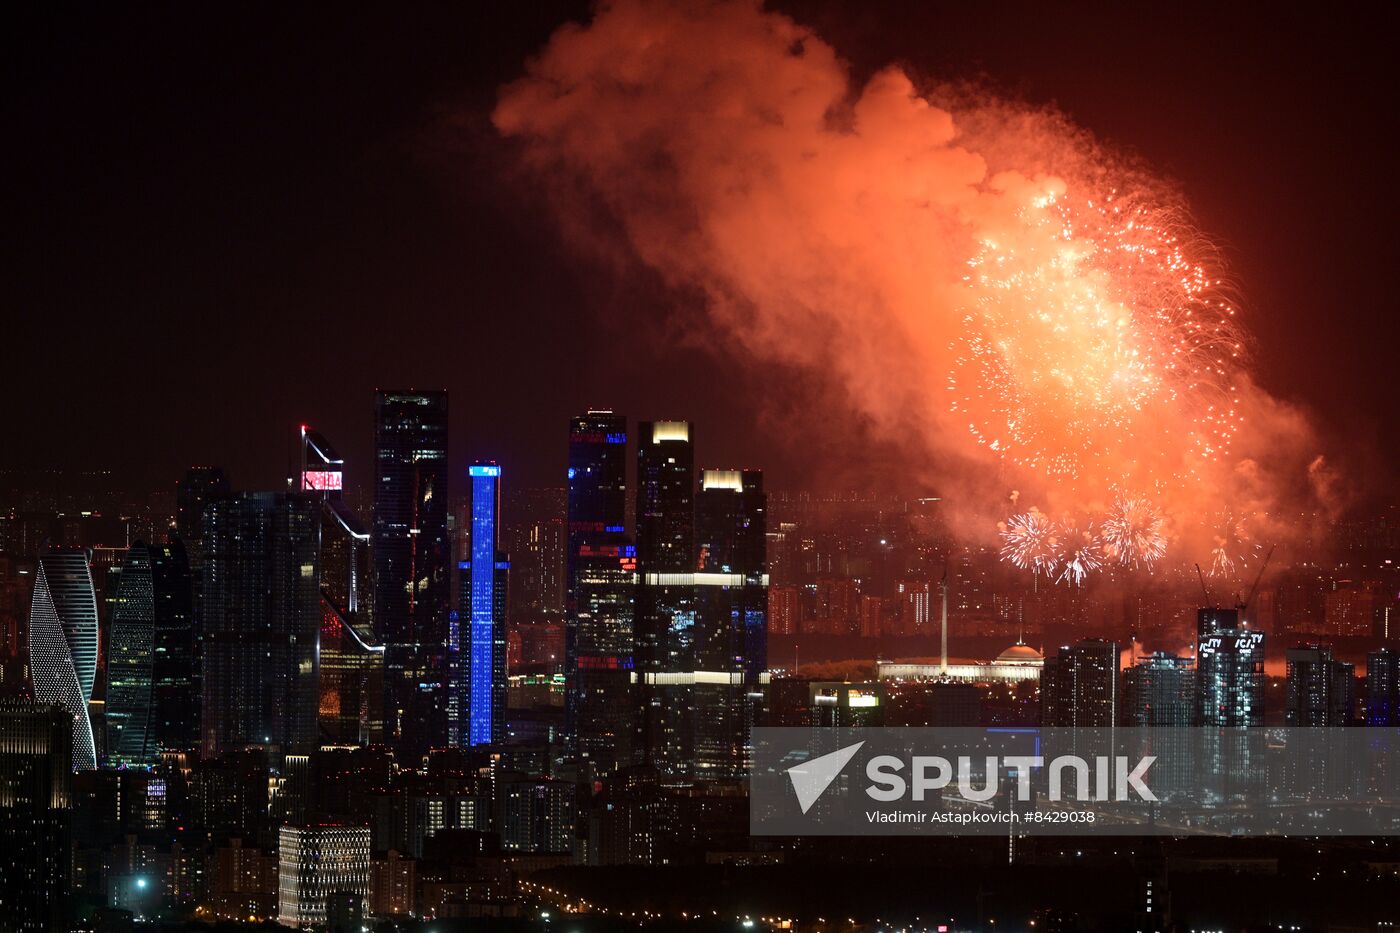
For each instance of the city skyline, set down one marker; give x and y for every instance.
(705, 465)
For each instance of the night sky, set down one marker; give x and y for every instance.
(221, 222)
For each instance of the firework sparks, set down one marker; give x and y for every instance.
(1028, 541)
(1082, 555)
(1234, 547)
(1133, 533)
(1086, 322)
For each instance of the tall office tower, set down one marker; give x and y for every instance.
(174, 719)
(665, 497)
(261, 617)
(1160, 690)
(600, 575)
(150, 657)
(63, 644)
(476, 712)
(665, 612)
(1321, 690)
(534, 529)
(130, 657)
(1212, 619)
(1383, 688)
(412, 553)
(352, 658)
(315, 862)
(730, 647)
(1230, 679)
(1079, 685)
(35, 799)
(200, 486)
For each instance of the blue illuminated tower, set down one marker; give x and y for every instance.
(480, 644)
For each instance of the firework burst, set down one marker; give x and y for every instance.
(1088, 321)
(1028, 541)
(1133, 533)
(1081, 554)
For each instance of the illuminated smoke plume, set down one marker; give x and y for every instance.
(974, 274)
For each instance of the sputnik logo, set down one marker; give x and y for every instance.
(811, 778)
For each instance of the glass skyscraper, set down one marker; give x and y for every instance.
(352, 659)
(174, 719)
(1230, 679)
(480, 649)
(665, 619)
(130, 655)
(730, 645)
(63, 644)
(261, 617)
(412, 553)
(600, 575)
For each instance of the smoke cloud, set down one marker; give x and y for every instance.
(986, 283)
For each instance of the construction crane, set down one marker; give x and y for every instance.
(1242, 606)
(1204, 589)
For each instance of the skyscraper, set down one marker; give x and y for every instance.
(199, 486)
(730, 650)
(352, 658)
(1160, 690)
(130, 657)
(665, 614)
(412, 553)
(174, 719)
(1321, 690)
(36, 743)
(1079, 685)
(261, 616)
(600, 575)
(480, 689)
(63, 644)
(1230, 679)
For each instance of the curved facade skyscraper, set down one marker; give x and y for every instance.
(63, 643)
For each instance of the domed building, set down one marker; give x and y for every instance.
(1017, 663)
(1021, 655)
